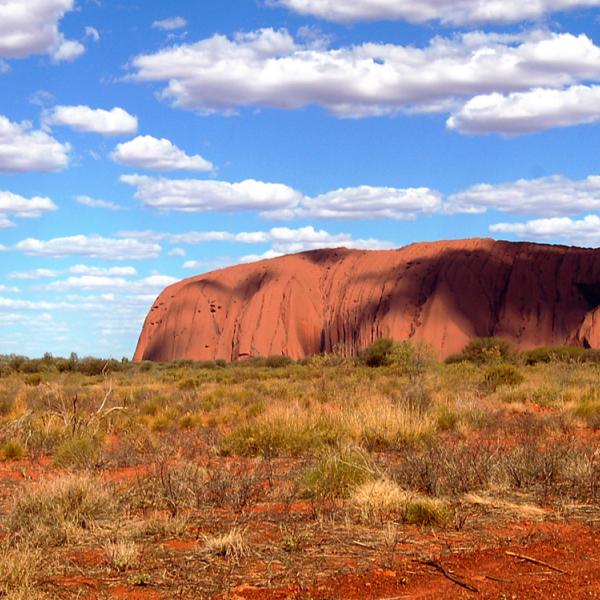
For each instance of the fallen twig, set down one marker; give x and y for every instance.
(499, 579)
(439, 567)
(535, 561)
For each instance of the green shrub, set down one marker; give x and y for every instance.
(279, 437)
(276, 361)
(336, 474)
(487, 350)
(379, 353)
(588, 409)
(12, 450)
(446, 418)
(499, 375)
(421, 510)
(79, 452)
(555, 354)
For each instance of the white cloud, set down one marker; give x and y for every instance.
(170, 24)
(23, 149)
(94, 203)
(33, 274)
(15, 205)
(177, 252)
(284, 240)
(66, 50)
(197, 195)
(92, 33)
(458, 12)
(148, 152)
(108, 271)
(31, 26)
(116, 121)
(583, 232)
(548, 196)
(281, 201)
(367, 202)
(270, 68)
(147, 285)
(5, 289)
(526, 112)
(91, 246)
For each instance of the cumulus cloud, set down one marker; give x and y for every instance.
(526, 112)
(27, 208)
(91, 246)
(31, 27)
(170, 24)
(148, 152)
(94, 203)
(23, 149)
(367, 202)
(457, 12)
(196, 195)
(66, 50)
(281, 201)
(549, 196)
(270, 68)
(116, 121)
(148, 285)
(582, 232)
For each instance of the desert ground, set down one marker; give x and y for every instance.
(389, 476)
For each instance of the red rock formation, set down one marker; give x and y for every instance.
(444, 293)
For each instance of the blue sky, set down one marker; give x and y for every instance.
(145, 142)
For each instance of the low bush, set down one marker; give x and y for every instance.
(12, 450)
(336, 474)
(502, 375)
(61, 510)
(486, 350)
(555, 354)
(79, 452)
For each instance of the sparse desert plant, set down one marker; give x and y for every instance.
(231, 545)
(19, 568)
(384, 499)
(588, 409)
(62, 509)
(121, 554)
(12, 450)
(502, 375)
(335, 474)
(79, 452)
(421, 510)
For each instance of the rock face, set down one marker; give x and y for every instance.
(443, 293)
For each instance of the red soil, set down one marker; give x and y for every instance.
(572, 548)
(444, 293)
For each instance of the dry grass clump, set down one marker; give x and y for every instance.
(231, 545)
(336, 473)
(382, 498)
(19, 566)
(291, 430)
(61, 510)
(121, 554)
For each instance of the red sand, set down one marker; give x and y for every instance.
(444, 293)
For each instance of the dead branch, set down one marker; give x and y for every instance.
(453, 578)
(535, 561)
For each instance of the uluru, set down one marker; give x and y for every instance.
(441, 293)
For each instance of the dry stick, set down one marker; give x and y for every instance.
(536, 561)
(436, 565)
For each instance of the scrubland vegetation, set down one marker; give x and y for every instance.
(195, 480)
